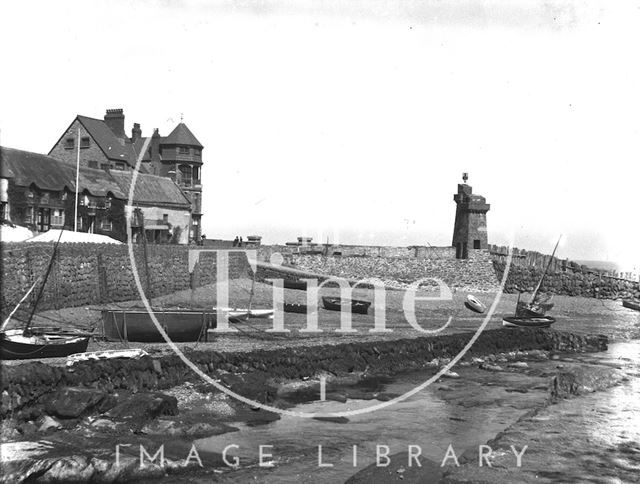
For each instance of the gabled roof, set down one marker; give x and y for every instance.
(181, 135)
(151, 189)
(47, 173)
(114, 148)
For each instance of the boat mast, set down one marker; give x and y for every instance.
(6, 321)
(535, 293)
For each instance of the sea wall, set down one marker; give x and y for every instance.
(569, 283)
(25, 385)
(84, 274)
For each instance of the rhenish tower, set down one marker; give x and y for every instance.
(470, 229)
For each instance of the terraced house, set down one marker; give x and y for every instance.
(40, 194)
(103, 144)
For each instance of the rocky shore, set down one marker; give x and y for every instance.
(64, 423)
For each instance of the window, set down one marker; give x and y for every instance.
(185, 175)
(476, 244)
(63, 196)
(80, 227)
(195, 222)
(69, 143)
(196, 151)
(4, 211)
(92, 164)
(119, 165)
(28, 193)
(57, 217)
(183, 150)
(85, 142)
(105, 223)
(165, 217)
(105, 166)
(28, 216)
(107, 203)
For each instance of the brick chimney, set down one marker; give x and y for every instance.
(114, 118)
(136, 132)
(155, 145)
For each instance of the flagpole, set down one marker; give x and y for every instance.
(75, 214)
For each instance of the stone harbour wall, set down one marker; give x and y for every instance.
(85, 274)
(569, 283)
(26, 385)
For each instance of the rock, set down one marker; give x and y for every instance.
(490, 367)
(104, 423)
(72, 402)
(336, 397)
(450, 374)
(518, 364)
(140, 408)
(47, 423)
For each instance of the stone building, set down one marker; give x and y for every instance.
(103, 144)
(41, 194)
(470, 228)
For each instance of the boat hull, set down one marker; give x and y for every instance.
(295, 308)
(474, 305)
(528, 322)
(137, 326)
(337, 304)
(14, 346)
(631, 305)
(293, 284)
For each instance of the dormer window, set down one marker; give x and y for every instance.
(183, 150)
(85, 142)
(69, 143)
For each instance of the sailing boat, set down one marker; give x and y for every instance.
(31, 342)
(532, 314)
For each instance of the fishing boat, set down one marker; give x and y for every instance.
(35, 342)
(295, 308)
(16, 344)
(528, 322)
(337, 304)
(629, 304)
(474, 304)
(531, 314)
(181, 325)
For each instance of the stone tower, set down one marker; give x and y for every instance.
(470, 229)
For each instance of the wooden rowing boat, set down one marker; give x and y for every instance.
(631, 304)
(474, 304)
(527, 322)
(337, 304)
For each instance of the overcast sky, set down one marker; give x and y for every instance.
(354, 121)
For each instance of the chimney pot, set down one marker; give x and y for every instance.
(114, 119)
(136, 132)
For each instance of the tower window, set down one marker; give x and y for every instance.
(183, 150)
(476, 244)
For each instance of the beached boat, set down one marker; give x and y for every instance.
(631, 304)
(19, 344)
(181, 325)
(134, 353)
(474, 304)
(34, 342)
(294, 284)
(337, 304)
(528, 322)
(295, 308)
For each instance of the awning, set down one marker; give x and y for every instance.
(156, 227)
